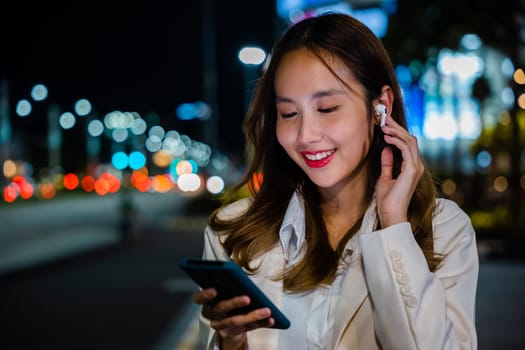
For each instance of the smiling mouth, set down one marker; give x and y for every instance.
(318, 159)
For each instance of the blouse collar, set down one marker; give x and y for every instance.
(292, 232)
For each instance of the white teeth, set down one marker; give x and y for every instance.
(318, 156)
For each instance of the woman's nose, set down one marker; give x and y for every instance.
(309, 130)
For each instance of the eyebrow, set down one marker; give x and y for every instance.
(316, 95)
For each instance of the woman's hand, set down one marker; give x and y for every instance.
(231, 329)
(393, 195)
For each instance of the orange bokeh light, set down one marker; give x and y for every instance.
(47, 190)
(140, 181)
(102, 186)
(162, 183)
(114, 182)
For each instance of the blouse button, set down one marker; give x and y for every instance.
(406, 291)
(395, 255)
(402, 278)
(399, 266)
(411, 301)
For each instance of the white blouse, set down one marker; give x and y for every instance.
(312, 313)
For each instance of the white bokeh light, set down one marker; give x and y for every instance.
(252, 55)
(215, 184)
(189, 182)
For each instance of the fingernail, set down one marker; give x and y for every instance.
(264, 312)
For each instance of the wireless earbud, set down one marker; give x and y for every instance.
(381, 110)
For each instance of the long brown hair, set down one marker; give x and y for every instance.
(332, 36)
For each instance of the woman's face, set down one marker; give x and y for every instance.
(322, 124)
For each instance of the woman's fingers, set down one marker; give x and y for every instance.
(399, 137)
(221, 309)
(204, 296)
(237, 324)
(243, 321)
(387, 163)
(231, 328)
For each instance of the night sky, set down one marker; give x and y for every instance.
(143, 56)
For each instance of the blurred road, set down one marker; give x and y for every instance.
(131, 294)
(71, 279)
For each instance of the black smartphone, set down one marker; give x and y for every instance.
(230, 281)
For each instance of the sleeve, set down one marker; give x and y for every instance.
(413, 307)
(213, 250)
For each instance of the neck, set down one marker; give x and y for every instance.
(342, 209)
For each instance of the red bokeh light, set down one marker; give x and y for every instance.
(88, 183)
(71, 181)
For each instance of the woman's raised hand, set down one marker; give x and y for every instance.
(393, 194)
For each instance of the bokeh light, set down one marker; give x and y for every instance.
(88, 183)
(9, 168)
(23, 186)
(120, 160)
(95, 127)
(140, 180)
(484, 159)
(189, 182)
(10, 193)
(102, 186)
(71, 181)
(138, 126)
(500, 184)
(162, 159)
(137, 160)
(112, 180)
(252, 55)
(23, 108)
(448, 187)
(119, 135)
(67, 120)
(82, 107)
(215, 184)
(519, 76)
(162, 183)
(39, 92)
(47, 190)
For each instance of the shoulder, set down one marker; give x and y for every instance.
(449, 211)
(451, 226)
(234, 209)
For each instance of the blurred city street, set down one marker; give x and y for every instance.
(128, 292)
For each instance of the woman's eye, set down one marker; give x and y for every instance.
(288, 115)
(328, 110)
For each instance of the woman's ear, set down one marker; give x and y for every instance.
(383, 105)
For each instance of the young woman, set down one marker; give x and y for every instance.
(345, 233)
